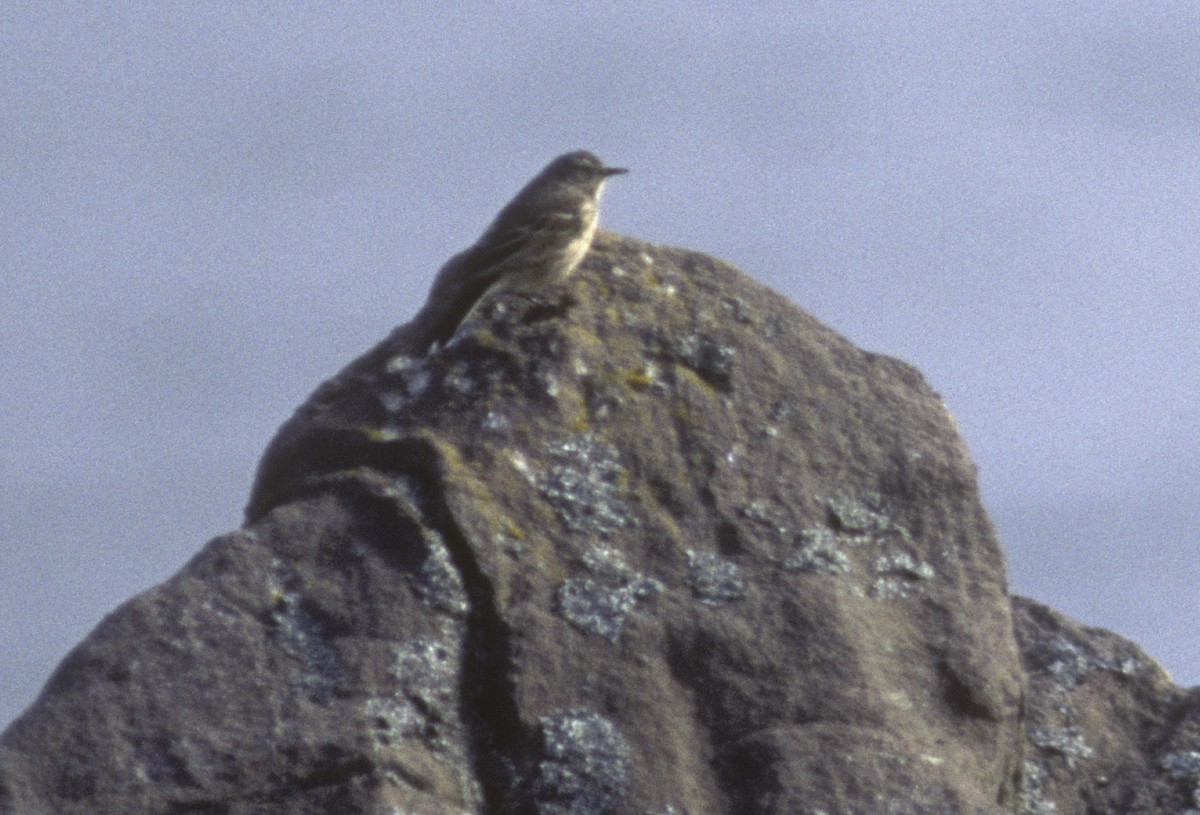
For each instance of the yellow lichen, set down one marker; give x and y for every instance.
(639, 380)
(380, 434)
(680, 412)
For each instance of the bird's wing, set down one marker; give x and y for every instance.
(507, 237)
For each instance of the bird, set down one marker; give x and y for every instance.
(538, 239)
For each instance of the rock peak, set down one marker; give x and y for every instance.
(655, 541)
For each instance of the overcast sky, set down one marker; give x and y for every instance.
(208, 208)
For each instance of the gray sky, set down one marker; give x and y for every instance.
(207, 209)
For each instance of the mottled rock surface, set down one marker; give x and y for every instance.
(1108, 732)
(660, 543)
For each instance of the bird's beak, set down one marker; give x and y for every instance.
(615, 171)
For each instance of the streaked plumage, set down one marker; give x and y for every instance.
(539, 237)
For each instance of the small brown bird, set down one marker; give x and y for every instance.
(539, 238)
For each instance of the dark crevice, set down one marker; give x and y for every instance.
(489, 710)
(961, 697)
(206, 807)
(542, 311)
(729, 540)
(331, 776)
(347, 770)
(489, 707)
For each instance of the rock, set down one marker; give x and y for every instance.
(1108, 732)
(661, 544)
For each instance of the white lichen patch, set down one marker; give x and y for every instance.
(459, 379)
(858, 523)
(439, 583)
(413, 376)
(401, 363)
(1068, 662)
(584, 484)
(496, 423)
(585, 765)
(596, 608)
(713, 580)
(899, 574)
(738, 308)
(819, 552)
(423, 703)
(392, 401)
(1185, 766)
(303, 635)
(712, 360)
(1066, 741)
(521, 464)
(600, 605)
(905, 565)
(1032, 795)
(860, 516)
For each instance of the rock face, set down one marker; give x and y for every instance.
(660, 544)
(1107, 731)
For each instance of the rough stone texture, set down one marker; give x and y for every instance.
(1107, 731)
(659, 543)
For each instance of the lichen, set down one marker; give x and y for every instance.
(707, 357)
(460, 379)
(899, 573)
(766, 517)
(496, 423)
(439, 583)
(855, 522)
(410, 373)
(1057, 666)
(714, 581)
(819, 552)
(1066, 741)
(423, 703)
(585, 484)
(585, 765)
(1185, 766)
(600, 606)
(859, 515)
(738, 308)
(302, 633)
(1032, 797)
(1068, 662)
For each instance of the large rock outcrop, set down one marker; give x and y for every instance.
(659, 543)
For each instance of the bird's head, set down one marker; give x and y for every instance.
(581, 167)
